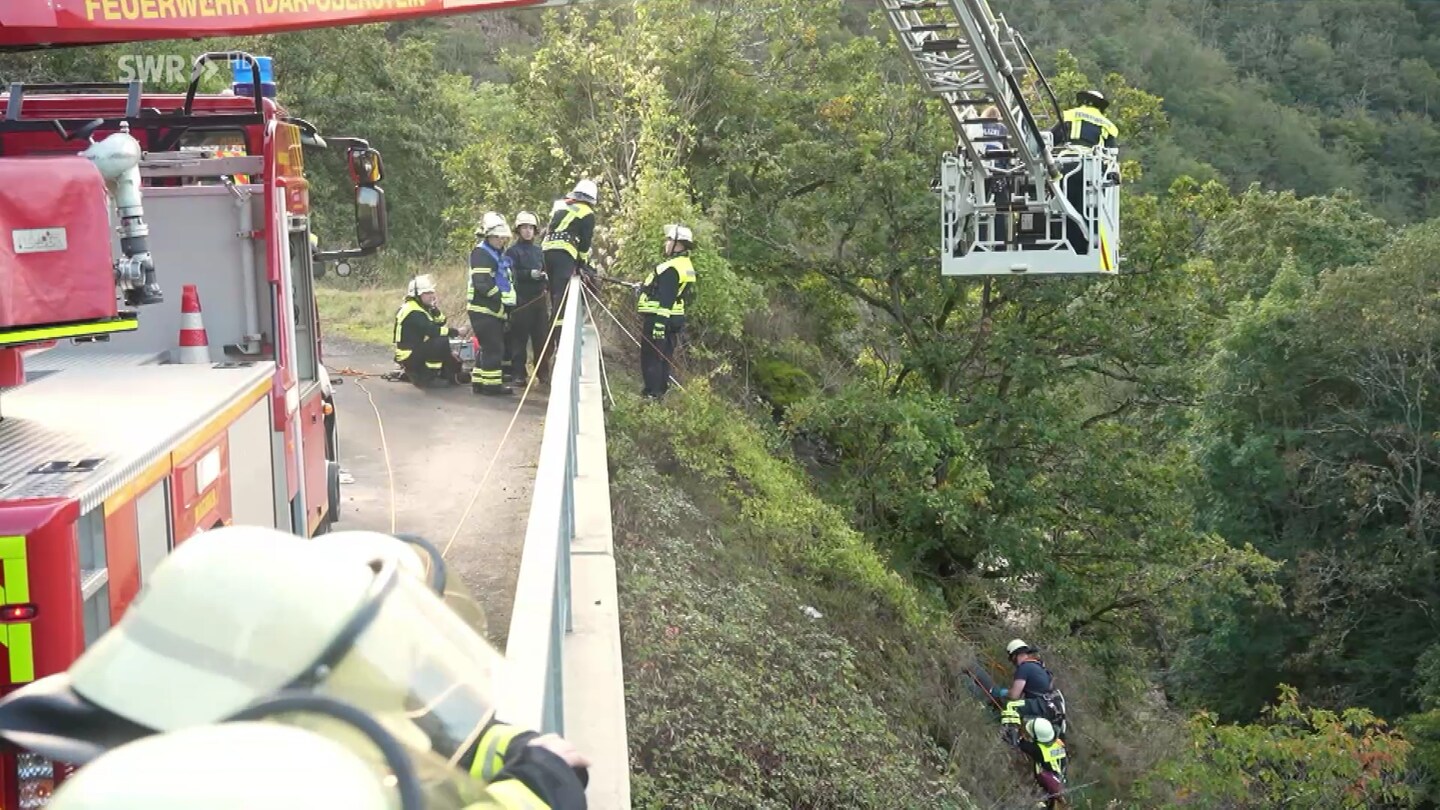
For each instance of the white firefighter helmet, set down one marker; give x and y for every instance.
(558, 206)
(585, 190)
(416, 557)
(420, 285)
(1015, 646)
(231, 766)
(1040, 730)
(492, 224)
(679, 233)
(239, 613)
(526, 218)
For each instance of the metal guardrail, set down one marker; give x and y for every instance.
(535, 694)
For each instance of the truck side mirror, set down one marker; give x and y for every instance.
(371, 225)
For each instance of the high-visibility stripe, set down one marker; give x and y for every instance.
(1105, 250)
(510, 794)
(17, 638)
(42, 333)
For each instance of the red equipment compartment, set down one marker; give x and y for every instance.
(55, 261)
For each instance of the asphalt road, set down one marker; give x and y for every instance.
(440, 443)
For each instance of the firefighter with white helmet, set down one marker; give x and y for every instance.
(658, 295)
(422, 338)
(685, 295)
(238, 614)
(567, 244)
(1047, 754)
(491, 296)
(531, 318)
(1032, 691)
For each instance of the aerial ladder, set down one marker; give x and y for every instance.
(1010, 202)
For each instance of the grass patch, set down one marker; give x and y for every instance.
(366, 312)
(737, 696)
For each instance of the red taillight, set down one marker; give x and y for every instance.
(17, 613)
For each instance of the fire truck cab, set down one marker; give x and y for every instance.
(115, 445)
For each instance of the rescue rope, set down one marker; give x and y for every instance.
(544, 350)
(384, 450)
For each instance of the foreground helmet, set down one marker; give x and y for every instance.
(585, 190)
(1016, 646)
(526, 218)
(420, 285)
(679, 233)
(240, 613)
(1040, 730)
(492, 224)
(233, 766)
(1093, 98)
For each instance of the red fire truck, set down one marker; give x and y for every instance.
(111, 451)
(115, 445)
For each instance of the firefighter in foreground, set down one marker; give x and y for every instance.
(238, 614)
(422, 338)
(567, 243)
(1032, 691)
(656, 306)
(531, 318)
(489, 293)
(1047, 755)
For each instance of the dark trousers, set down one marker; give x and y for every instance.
(432, 361)
(529, 323)
(655, 357)
(490, 331)
(560, 266)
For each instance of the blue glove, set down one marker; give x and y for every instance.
(999, 692)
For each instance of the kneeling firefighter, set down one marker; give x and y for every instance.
(422, 338)
(239, 614)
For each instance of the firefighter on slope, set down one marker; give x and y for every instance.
(1047, 755)
(657, 300)
(239, 614)
(490, 292)
(531, 318)
(1032, 691)
(567, 243)
(249, 764)
(422, 339)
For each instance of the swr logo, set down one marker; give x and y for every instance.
(167, 68)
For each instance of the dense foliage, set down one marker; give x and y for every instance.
(1205, 479)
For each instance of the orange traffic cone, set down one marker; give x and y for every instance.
(194, 343)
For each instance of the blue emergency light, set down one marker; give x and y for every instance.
(245, 78)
